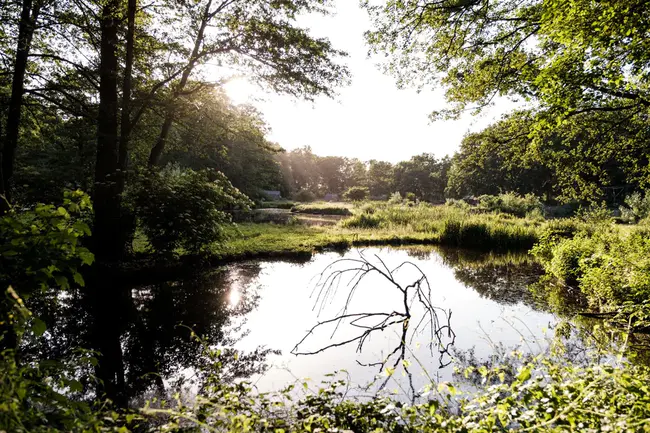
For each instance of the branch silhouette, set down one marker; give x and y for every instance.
(353, 271)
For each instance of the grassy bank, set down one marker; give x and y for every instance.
(373, 224)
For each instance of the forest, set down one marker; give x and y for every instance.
(131, 185)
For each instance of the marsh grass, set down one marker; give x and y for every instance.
(324, 208)
(448, 225)
(280, 204)
(382, 223)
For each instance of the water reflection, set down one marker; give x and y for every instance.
(146, 333)
(487, 294)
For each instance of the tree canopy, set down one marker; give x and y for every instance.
(579, 64)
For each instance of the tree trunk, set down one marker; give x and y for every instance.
(125, 122)
(157, 150)
(107, 240)
(4, 204)
(106, 231)
(127, 218)
(28, 17)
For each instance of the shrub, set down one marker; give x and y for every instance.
(410, 196)
(304, 195)
(185, 208)
(637, 207)
(460, 204)
(395, 198)
(511, 203)
(595, 214)
(41, 246)
(611, 268)
(356, 193)
(275, 205)
(370, 208)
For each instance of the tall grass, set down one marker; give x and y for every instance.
(448, 225)
(323, 208)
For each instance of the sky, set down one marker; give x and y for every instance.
(370, 118)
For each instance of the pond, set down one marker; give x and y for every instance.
(406, 314)
(484, 300)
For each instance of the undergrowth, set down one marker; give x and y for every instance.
(610, 267)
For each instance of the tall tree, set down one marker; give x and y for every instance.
(30, 10)
(106, 230)
(568, 58)
(261, 40)
(501, 158)
(423, 175)
(380, 178)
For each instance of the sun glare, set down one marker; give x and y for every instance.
(234, 297)
(240, 90)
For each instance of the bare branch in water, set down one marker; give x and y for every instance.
(434, 319)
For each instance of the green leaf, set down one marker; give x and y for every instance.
(38, 327)
(79, 279)
(75, 386)
(524, 374)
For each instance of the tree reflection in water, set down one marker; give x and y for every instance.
(151, 328)
(504, 278)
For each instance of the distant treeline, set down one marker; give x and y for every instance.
(566, 163)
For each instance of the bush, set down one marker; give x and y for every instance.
(185, 208)
(41, 246)
(395, 198)
(595, 214)
(637, 207)
(371, 208)
(511, 203)
(356, 193)
(304, 196)
(275, 205)
(611, 268)
(410, 196)
(460, 204)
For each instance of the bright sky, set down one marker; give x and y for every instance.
(371, 118)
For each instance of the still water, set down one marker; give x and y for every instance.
(407, 315)
(483, 299)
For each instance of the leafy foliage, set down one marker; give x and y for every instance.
(637, 207)
(186, 209)
(42, 246)
(580, 65)
(611, 268)
(511, 203)
(357, 193)
(304, 196)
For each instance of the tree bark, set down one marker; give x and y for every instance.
(4, 204)
(108, 243)
(125, 121)
(157, 150)
(127, 218)
(28, 17)
(107, 203)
